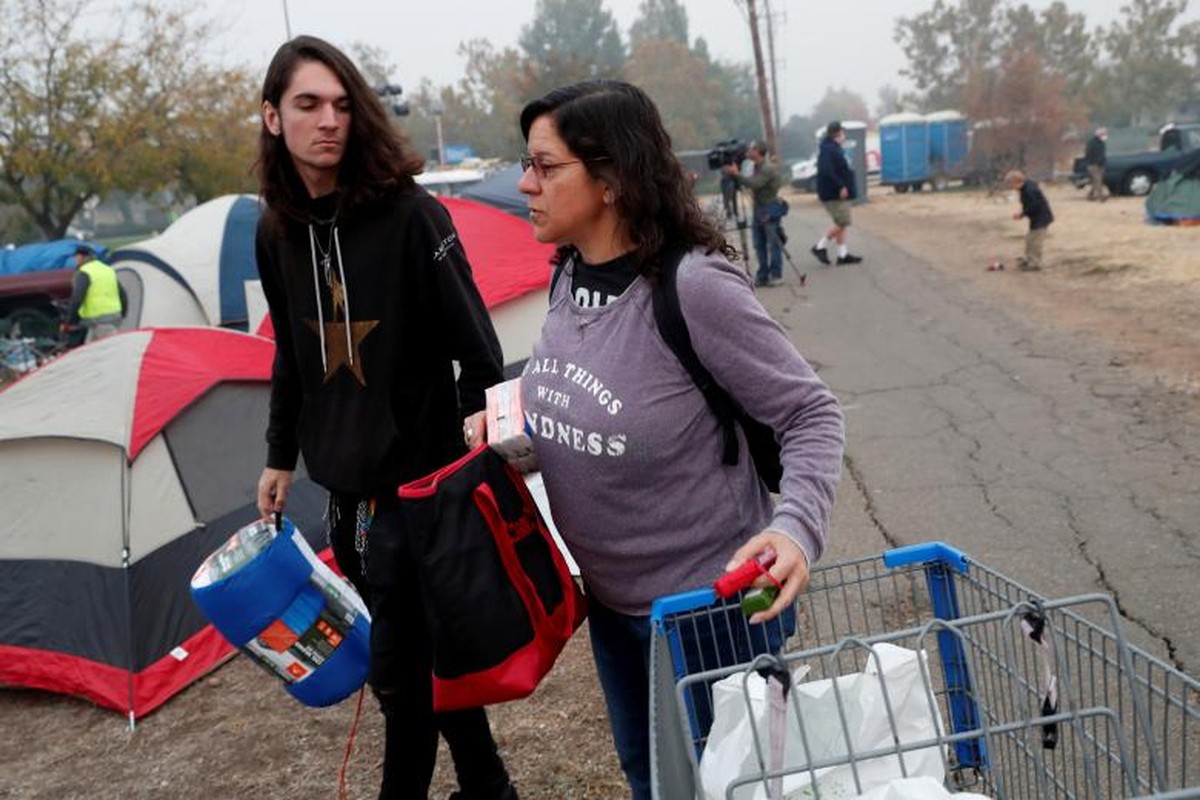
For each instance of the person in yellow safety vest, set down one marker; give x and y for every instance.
(98, 300)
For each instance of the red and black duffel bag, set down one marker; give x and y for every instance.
(500, 602)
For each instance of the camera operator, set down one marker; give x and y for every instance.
(768, 210)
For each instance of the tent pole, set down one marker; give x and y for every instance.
(126, 502)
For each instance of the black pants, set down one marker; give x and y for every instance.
(401, 665)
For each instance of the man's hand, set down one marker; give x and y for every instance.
(731, 169)
(1018, 214)
(844, 193)
(790, 569)
(273, 488)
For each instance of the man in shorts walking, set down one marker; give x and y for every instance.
(836, 190)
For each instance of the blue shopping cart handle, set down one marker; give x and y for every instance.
(679, 603)
(926, 552)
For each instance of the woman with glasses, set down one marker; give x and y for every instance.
(630, 452)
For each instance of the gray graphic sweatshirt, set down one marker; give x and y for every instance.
(631, 454)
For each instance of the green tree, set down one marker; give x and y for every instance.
(82, 116)
(212, 142)
(797, 137)
(1060, 37)
(1150, 65)
(488, 100)
(739, 115)
(1141, 70)
(840, 104)
(946, 45)
(1189, 35)
(689, 97)
(660, 20)
(569, 41)
(374, 64)
(1029, 113)
(890, 101)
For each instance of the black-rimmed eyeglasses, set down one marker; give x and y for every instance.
(545, 169)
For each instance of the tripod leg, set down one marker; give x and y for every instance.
(802, 277)
(742, 224)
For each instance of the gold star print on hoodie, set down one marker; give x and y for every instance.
(339, 340)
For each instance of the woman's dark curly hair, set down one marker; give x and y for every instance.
(378, 158)
(616, 130)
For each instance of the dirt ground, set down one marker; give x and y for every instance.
(1134, 286)
(236, 734)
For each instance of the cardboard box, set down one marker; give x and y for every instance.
(507, 433)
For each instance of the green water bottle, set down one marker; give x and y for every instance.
(757, 600)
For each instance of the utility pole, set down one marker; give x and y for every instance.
(774, 64)
(287, 21)
(760, 73)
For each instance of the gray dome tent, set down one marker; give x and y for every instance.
(500, 190)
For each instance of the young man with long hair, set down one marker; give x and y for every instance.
(373, 302)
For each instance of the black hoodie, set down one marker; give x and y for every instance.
(373, 404)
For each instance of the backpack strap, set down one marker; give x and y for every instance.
(558, 271)
(673, 328)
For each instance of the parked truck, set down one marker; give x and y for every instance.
(35, 286)
(1136, 173)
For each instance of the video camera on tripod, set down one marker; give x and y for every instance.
(731, 152)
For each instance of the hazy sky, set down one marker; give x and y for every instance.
(817, 44)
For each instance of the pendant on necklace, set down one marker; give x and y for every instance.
(325, 267)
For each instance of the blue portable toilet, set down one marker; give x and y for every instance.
(904, 150)
(947, 145)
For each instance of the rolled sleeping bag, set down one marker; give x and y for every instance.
(269, 595)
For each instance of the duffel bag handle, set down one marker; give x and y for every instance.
(485, 499)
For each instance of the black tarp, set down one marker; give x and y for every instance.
(500, 190)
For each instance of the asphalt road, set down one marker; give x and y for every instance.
(1035, 451)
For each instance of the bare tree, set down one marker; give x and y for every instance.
(82, 116)
(1023, 112)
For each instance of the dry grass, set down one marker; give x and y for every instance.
(1108, 272)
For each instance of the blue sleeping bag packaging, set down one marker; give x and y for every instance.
(269, 595)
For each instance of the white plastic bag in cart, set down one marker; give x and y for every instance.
(730, 751)
(924, 788)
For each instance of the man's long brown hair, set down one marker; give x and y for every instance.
(377, 160)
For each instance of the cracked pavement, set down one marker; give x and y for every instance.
(1037, 451)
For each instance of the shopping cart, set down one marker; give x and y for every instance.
(1032, 697)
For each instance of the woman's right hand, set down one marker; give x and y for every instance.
(475, 429)
(273, 487)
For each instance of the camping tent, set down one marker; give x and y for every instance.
(123, 464)
(199, 271)
(512, 271)
(1176, 199)
(202, 271)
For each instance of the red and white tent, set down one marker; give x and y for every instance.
(512, 271)
(123, 464)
